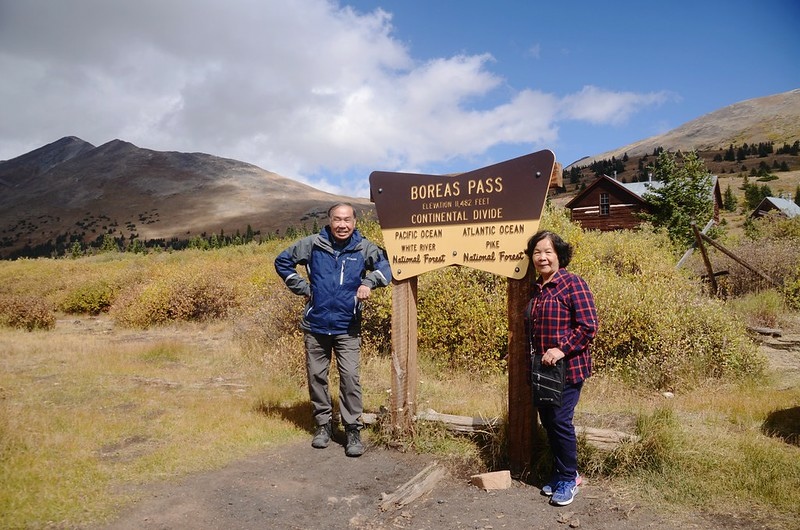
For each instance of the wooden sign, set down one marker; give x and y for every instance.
(481, 219)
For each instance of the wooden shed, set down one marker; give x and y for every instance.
(608, 204)
(776, 206)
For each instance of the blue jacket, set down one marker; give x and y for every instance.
(333, 279)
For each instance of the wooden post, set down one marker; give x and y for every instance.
(690, 250)
(557, 176)
(404, 355)
(738, 260)
(522, 419)
(699, 239)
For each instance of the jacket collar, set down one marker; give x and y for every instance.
(326, 239)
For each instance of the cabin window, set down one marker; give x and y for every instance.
(604, 204)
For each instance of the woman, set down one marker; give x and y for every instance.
(561, 323)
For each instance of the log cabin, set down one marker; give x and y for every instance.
(607, 204)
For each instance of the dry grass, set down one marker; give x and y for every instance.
(713, 442)
(84, 415)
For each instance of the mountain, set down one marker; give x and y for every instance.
(71, 189)
(14, 173)
(773, 118)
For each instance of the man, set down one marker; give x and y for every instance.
(342, 267)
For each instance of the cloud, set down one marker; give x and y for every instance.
(309, 88)
(596, 106)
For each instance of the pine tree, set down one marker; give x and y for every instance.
(109, 244)
(77, 249)
(729, 200)
(684, 197)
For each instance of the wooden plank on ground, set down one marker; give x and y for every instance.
(422, 483)
(602, 439)
(459, 423)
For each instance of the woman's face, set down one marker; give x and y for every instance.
(545, 259)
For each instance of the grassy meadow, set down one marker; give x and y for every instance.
(122, 370)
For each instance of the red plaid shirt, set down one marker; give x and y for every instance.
(561, 314)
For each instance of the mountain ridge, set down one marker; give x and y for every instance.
(773, 118)
(35, 162)
(70, 190)
(129, 192)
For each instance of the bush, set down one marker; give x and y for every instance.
(266, 327)
(657, 328)
(23, 312)
(376, 323)
(775, 244)
(463, 322)
(791, 291)
(186, 293)
(91, 299)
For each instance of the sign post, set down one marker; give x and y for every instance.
(481, 219)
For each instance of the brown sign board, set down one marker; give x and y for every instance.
(480, 219)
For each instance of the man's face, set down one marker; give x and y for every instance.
(343, 222)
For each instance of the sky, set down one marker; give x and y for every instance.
(326, 91)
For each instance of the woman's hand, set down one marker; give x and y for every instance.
(552, 356)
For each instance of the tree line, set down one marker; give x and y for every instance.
(73, 245)
(645, 169)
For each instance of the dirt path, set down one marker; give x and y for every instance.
(298, 487)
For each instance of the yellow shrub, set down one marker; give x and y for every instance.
(93, 298)
(462, 320)
(25, 312)
(266, 327)
(657, 327)
(190, 292)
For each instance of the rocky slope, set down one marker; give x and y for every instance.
(72, 189)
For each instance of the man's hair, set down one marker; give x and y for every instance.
(562, 248)
(340, 204)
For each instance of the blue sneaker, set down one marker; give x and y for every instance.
(550, 487)
(564, 493)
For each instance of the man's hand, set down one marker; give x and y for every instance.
(363, 292)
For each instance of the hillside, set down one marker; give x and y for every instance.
(71, 190)
(773, 118)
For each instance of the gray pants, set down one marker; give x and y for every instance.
(347, 349)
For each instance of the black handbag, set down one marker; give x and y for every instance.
(547, 382)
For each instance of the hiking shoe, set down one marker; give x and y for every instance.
(564, 493)
(550, 487)
(354, 446)
(322, 436)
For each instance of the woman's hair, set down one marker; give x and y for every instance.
(563, 249)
